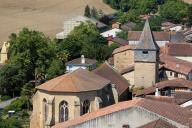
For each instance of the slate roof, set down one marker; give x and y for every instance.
(169, 111)
(176, 83)
(80, 80)
(177, 37)
(77, 61)
(128, 26)
(178, 49)
(168, 24)
(107, 72)
(176, 65)
(146, 40)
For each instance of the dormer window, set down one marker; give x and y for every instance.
(145, 52)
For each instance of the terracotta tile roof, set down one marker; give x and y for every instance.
(176, 83)
(124, 48)
(77, 61)
(166, 99)
(178, 49)
(182, 97)
(128, 69)
(169, 111)
(107, 72)
(158, 124)
(176, 65)
(178, 98)
(120, 41)
(80, 80)
(158, 36)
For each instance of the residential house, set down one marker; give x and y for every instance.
(119, 82)
(128, 26)
(182, 98)
(68, 96)
(173, 68)
(117, 40)
(129, 74)
(123, 56)
(82, 62)
(70, 24)
(111, 33)
(188, 35)
(177, 37)
(181, 51)
(137, 113)
(168, 26)
(161, 38)
(167, 88)
(116, 25)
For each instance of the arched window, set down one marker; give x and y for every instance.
(45, 109)
(86, 106)
(63, 111)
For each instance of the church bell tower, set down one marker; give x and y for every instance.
(146, 58)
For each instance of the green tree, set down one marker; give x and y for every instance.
(123, 34)
(87, 12)
(189, 15)
(85, 39)
(94, 13)
(11, 79)
(30, 55)
(173, 11)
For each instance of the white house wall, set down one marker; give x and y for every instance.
(134, 117)
(187, 58)
(73, 68)
(160, 43)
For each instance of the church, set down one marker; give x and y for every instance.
(139, 63)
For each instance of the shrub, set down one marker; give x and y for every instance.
(3, 98)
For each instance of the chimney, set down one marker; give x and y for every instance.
(82, 59)
(116, 25)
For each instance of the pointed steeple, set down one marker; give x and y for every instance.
(146, 41)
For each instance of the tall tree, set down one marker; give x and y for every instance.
(94, 13)
(87, 12)
(189, 15)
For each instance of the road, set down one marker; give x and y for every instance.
(6, 103)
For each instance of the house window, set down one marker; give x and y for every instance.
(145, 52)
(86, 106)
(45, 110)
(176, 74)
(171, 74)
(63, 111)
